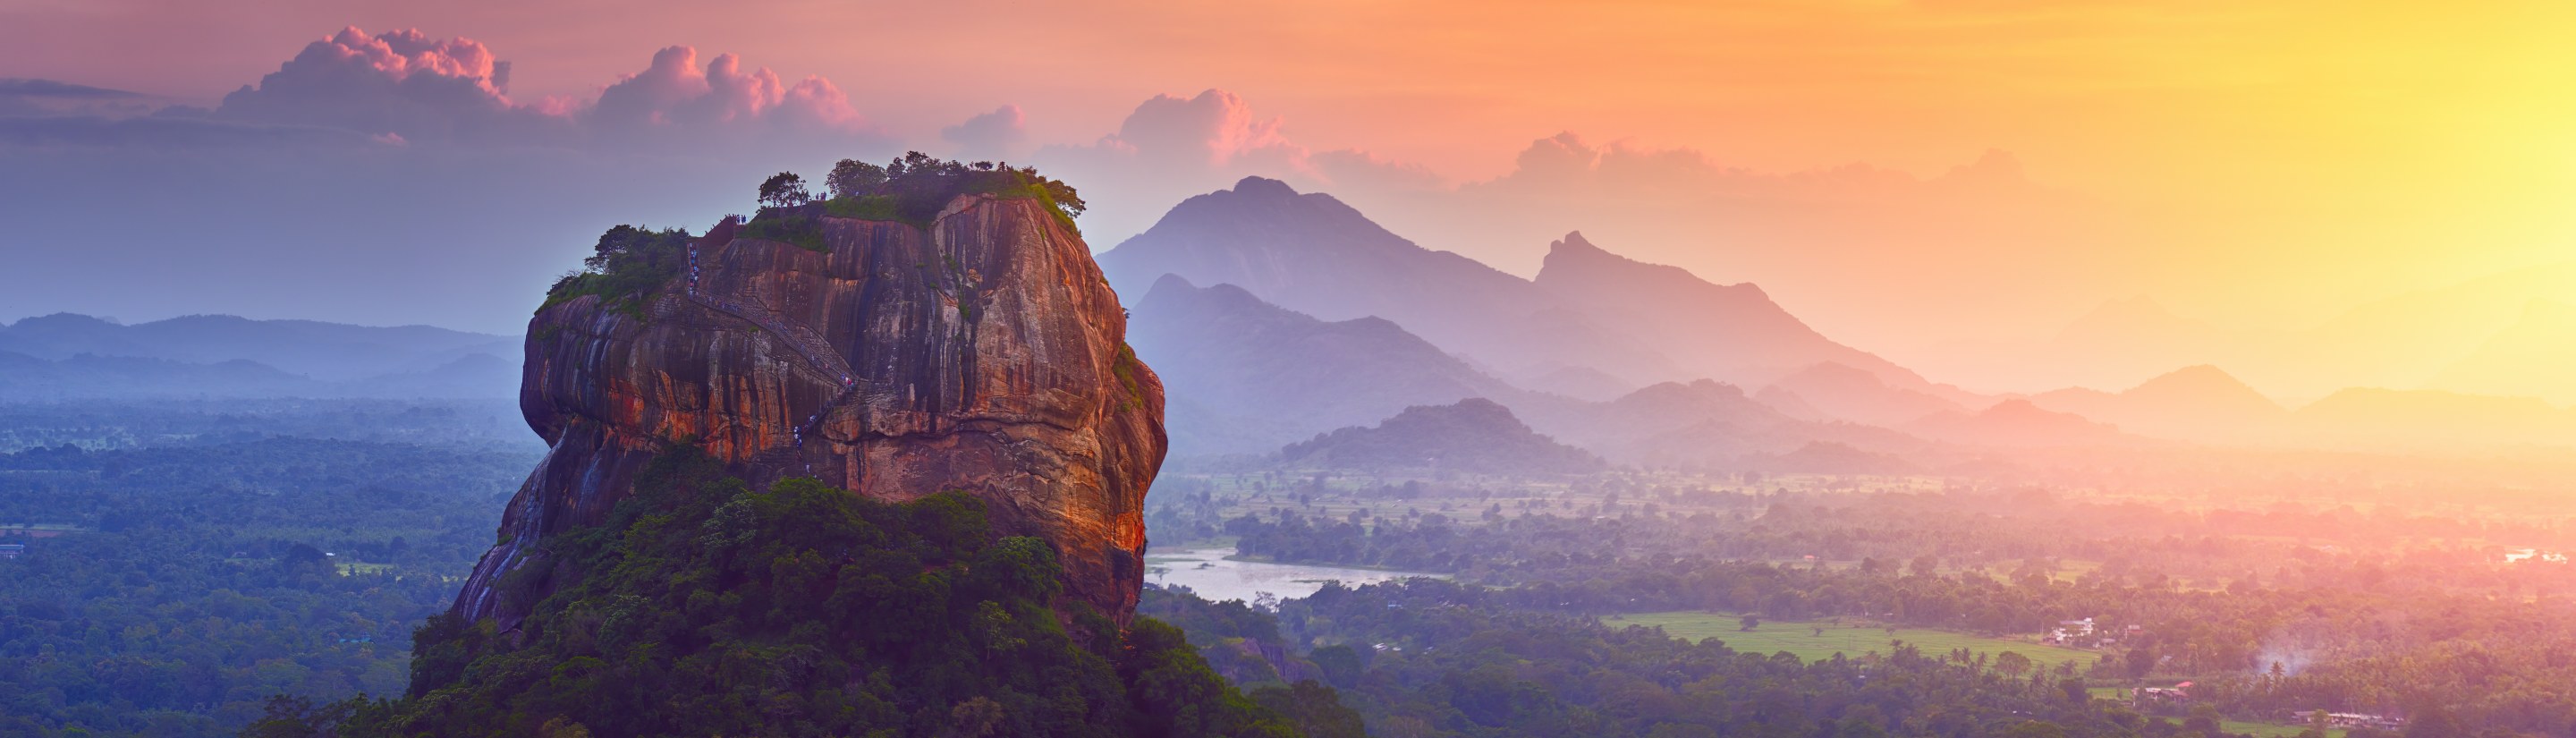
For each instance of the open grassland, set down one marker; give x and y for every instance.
(1800, 637)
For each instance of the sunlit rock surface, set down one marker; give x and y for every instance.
(984, 354)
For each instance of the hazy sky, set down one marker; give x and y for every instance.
(1899, 173)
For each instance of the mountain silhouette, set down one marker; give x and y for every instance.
(2201, 403)
(1731, 333)
(1245, 376)
(1472, 435)
(1315, 255)
(328, 352)
(1833, 391)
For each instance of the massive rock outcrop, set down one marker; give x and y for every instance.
(984, 353)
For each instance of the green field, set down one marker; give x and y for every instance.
(1799, 637)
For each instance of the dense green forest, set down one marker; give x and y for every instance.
(169, 590)
(703, 607)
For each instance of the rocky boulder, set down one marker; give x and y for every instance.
(982, 353)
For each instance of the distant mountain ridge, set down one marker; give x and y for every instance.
(1245, 376)
(26, 378)
(1702, 424)
(2201, 403)
(1730, 333)
(326, 351)
(71, 356)
(1834, 391)
(1474, 435)
(1591, 324)
(1315, 255)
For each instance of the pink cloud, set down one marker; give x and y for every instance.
(674, 92)
(1173, 147)
(404, 85)
(1216, 127)
(989, 134)
(399, 82)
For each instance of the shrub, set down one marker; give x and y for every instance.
(628, 263)
(794, 226)
(912, 189)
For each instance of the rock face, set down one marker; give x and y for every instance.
(985, 353)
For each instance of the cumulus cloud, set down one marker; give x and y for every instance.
(996, 134)
(1215, 129)
(1173, 147)
(366, 155)
(399, 82)
(404, 87)
(674, 93)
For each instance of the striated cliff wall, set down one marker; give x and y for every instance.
(985, 353)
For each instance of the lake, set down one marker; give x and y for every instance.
(1208, 572)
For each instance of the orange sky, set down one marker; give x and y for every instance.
(2279, 161)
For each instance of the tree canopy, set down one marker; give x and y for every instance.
(704, 607)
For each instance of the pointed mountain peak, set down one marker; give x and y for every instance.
(1575, 247)
(1173, 292)
(2200, 385)
(1574, 243)
(1576, 252)
(1575, 258)
(1171, 283)
(2197, 375)
(1264, 187)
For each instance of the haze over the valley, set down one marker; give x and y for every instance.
(1321, 368)
(1896, 180)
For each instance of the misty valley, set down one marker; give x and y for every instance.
(183, 566)
(2154, 372)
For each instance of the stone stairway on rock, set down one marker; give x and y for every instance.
(807, 343)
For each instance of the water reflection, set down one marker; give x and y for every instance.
(1207, 572)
